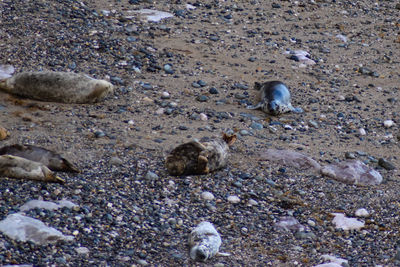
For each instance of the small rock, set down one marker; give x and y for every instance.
(151, 176)
(203, 117)
(288, 223)
(3, 133)
(349, 155)
(82, 250)
(388, 123)
(213, 91)
(362, 131)
(207, 195)
(165, 95)
(362, 213)
(202, 98)
(233, 199)
(256, 126)
(386, 164)
(344, 223)
(115, 161)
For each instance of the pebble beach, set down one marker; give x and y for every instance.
(188, 73)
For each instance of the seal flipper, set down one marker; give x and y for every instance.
(296, 110)
(259, 105)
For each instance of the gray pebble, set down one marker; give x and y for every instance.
(202, 98)
(151, 175)
(115, 161)
(349, 155)
(256, 126)
(386, 164)
(213, 91)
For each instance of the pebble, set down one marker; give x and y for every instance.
(362, 131)
(165, 95)
(244, 132)
(82, 250)
(233, 199)
(349, 155)
(256, 126)
(202, 98)
(203, 117)
(213, 91)
(386, 164)
(388, 123)
(207, 195)
(115, 161)
(151, 175)
(362, 213)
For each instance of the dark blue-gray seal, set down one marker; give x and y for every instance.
(274, 98)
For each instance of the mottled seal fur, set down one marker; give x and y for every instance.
(199, 157)
(21, 168)
(64, 87)
(47, 157)
(204, 242)
(275, 98)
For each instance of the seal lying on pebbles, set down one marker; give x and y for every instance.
(199, 157)
(20, 168)
(204, 242)
(275, 98)
(63, 87)
(50, 159)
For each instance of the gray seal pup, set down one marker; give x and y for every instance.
(204, 242)
(62, 87)
(275, 98)
(21, 168)
(199, 157)
(50, 159)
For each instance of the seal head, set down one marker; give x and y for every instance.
(275, 98)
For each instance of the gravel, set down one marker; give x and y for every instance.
(129, 210)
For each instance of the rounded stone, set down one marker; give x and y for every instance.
(233, 199)
(207, 195)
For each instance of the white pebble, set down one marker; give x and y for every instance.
(131, 122)
(311, 223)
(165, 94)
(234, 199)
(82, 250)
(362, 213)
(203, 117)
(207, 195)
(388, 123)
(252, 202)
(362, 131)
(160, 111)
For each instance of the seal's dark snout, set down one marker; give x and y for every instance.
(200, 255)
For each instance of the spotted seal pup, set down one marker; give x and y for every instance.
(63, 87)
(21, 168)
(199, 157)
(275, 98)
(50, 159)
(204, 242)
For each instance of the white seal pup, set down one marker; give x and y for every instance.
(51, 86)
(199, 157)
(204, 242)
(275, 98)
